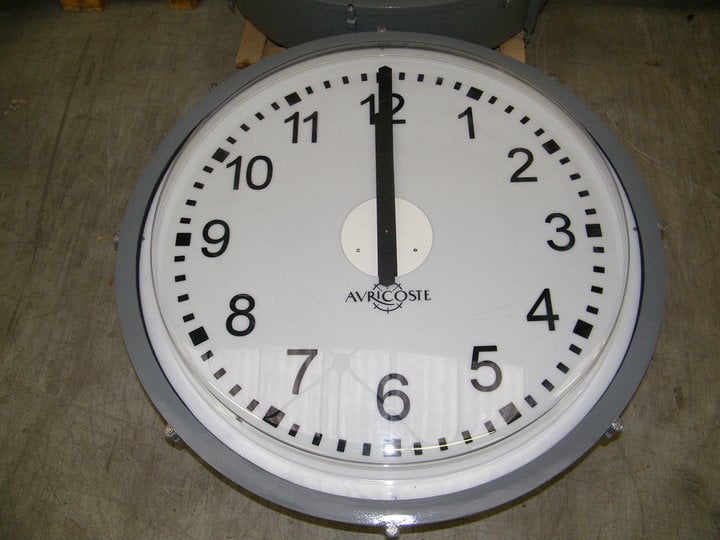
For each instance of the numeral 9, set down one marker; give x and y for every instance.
(223, 239)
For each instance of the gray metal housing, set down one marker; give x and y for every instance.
(486, 22)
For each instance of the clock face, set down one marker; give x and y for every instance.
(389, 273)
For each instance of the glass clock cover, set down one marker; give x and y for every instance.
(397, 279)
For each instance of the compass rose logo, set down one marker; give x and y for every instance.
(388, 298)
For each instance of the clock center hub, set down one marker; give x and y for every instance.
(359, 237)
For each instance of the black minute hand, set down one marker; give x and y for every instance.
(385, 181)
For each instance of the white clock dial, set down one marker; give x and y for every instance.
(390, 273)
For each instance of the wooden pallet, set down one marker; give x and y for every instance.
(254, 46)
(99, 5)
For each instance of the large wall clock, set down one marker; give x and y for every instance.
(390, 279)
(487, 22)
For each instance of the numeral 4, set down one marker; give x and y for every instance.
(544, 302)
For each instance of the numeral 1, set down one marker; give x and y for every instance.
(468, 113)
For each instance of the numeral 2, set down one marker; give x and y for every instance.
(517, 175)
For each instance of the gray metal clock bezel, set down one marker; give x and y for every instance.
(369, 512)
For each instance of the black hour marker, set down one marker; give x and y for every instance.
(206, 356)
(490, 427)
(530, 400)
(509, 413)
(562, 367)
(293, 99)
(417, 449)
(582, 328)
(252, 405)
(467, 437)
(189, 317)
(442, 443)
(509, 109)
(273, 416)
(183, 298)
(183, 239)
(220, 373)
(548, 385)
(293, 430)
(341, 445)
(198, 336)
(391, 448)
(366, 449)
(551, 146)
(208, 169)
(316, 439)
(575, 349)
(220, 155)
(474, 93)
(593, 230)
(234, 390)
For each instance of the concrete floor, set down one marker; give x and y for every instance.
(85, 98)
